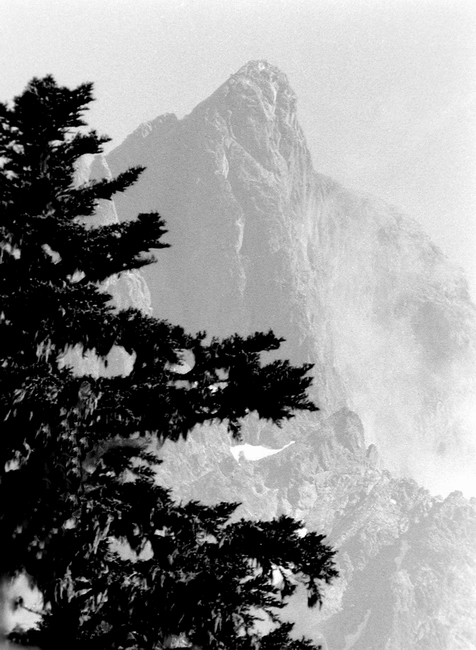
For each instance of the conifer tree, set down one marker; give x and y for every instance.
(190, 578)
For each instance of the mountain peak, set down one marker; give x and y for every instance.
(262, 71)
(263, 81)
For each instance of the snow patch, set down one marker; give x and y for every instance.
(254, 452)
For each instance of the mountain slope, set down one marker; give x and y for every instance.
(260, 240)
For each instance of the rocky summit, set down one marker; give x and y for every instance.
(260, 240)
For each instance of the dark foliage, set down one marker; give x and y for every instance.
(119, 563)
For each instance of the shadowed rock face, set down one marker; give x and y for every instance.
(260, 240)
(218, 176)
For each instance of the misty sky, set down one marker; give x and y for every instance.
(386, 88)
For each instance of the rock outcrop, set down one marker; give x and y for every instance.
(407, 560)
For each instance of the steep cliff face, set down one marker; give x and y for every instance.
(260, 240)
(226, 178)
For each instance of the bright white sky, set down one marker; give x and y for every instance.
(386, 88)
